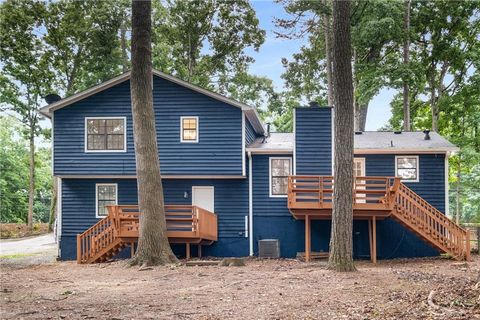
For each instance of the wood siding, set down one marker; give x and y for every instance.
(231, 207)
(218, 152)
(313, 141)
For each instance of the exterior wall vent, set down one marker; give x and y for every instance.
(397, 132)
(358, 132)
(269, 248)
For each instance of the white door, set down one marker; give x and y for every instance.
(203, 197)
(359, 171)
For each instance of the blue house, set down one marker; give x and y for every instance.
(237, 183)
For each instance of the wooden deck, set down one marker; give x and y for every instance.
(186, 224)
(377, 198)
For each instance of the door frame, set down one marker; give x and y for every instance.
(364, 174)
(204, 187)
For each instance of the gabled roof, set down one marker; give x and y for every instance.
(366, 142)
(250, 112)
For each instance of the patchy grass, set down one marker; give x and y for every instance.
(19, 255)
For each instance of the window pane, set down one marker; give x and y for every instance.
(280, 167)
(189, 134)
(189, 123)
(96, 126)
(115, 126)
(106, 196)
(407, 174)
(279, 186)
(96, 142)
(115, 142)
(405, 162)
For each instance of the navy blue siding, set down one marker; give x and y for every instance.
(313, 141)
(394, 240)
(231, 207)
(272, 220)
(219, 151)
(250, 133)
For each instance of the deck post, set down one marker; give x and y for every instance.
(369, 222)
(132, 248)
(374, 239)
(467, 245)
(307, 238)
(79, 250)
(199, 250)
(187, 251)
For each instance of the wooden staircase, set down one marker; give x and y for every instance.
(377, 198)
(417, 215)
(185, 224)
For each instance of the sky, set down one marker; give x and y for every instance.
(268, 61)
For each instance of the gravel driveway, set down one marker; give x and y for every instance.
(28, 251)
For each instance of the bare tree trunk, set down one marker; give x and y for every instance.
(361, 111)
(328, 53)
(153, 246)
(31, 186)
(406, 59)
(123, 43)
(341, 250)
(457, 200)
(53, 204)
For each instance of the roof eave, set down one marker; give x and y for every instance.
(406, 151)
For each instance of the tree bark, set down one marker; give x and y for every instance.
(328, 54)
(31, 186)
(361, 111)
(153, 246)
(53, 204)
(123, 44)
(341, 250)
(406, 59)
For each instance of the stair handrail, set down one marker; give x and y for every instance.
(97, 237)
(448, 231)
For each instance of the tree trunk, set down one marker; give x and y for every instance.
(341, 255)
(153, 246)
(53, 205)
(123, 43)
(328, 54)
(458, 208)
(31, 187)
(361, 111)
(406, 59)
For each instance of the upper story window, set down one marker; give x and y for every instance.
(106, 194)
(280, 169)
(189, 129)
(406, 167)
(105, 134)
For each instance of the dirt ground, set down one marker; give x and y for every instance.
(263, 289)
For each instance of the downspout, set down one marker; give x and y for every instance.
(250, 203)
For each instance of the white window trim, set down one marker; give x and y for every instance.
(96, 196)
(418, 167)
(270, 176)
(106, 118)
(181, 129)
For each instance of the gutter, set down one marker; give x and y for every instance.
(250, 204)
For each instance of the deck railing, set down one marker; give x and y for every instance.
(185, 223)
(316, 192)
(413, 211)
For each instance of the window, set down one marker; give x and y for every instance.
(189, 129)
(406, 167)
(280, 169)
(106, 194)
(105, 134)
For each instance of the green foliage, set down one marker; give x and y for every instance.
(14, 155)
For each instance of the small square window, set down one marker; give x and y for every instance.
(106, 195)
(406, 167)
(189, 129)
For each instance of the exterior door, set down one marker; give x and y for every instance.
(359, 171)
(203, 197)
